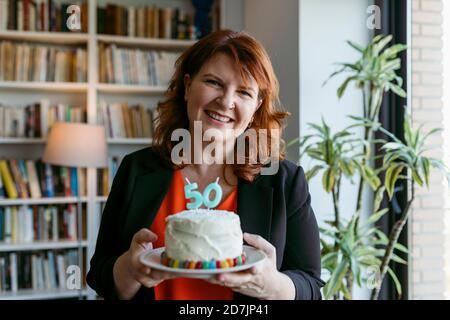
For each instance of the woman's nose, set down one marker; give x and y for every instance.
(226, 101)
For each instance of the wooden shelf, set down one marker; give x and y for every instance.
(30, 294)
(55, 200)
(22, 140)
(44, 86)
(116, 141)
(42, 245)
(130, 89)
(69, 38)
(101, 198)
(88, 95)
(146, 42)
(134, 141)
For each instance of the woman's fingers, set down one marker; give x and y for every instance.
(234, 279)
(160, 275)
(260, 243)
(154, 278)
(143, 238)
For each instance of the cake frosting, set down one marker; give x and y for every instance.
(203, 238)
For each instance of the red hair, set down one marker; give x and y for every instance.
(252, 60)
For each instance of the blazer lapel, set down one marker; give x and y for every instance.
(149, 192)
(255, 208)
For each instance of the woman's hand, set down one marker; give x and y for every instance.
(130, 273)
(262, 281)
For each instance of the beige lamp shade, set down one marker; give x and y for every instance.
(76, 145)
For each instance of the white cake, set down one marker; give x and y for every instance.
(204, 239)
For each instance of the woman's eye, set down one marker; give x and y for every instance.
(246, 93)
(213, 82)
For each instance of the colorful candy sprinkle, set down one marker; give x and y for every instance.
(212, 264)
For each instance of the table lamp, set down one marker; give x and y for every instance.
(77, 145)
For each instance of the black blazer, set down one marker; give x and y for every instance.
(277, 207)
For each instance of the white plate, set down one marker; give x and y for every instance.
(152, 258)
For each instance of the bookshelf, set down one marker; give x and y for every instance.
(87, 95)
(28, 294)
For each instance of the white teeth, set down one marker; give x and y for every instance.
(217, 117)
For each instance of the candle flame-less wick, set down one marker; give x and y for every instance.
(217, 180)
(187, 180)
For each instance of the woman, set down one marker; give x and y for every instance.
(224, 83)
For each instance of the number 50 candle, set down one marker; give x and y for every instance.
(200, 199)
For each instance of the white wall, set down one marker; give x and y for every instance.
(324, 27)
(275, 24)
(232, 14)
(446, 61)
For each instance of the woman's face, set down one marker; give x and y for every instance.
(218, 97)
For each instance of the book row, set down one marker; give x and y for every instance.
(145, 21)
(34, 62)
(41, 15)
(105, 176)
(135, 66)
(124, 121)
(35, 119)
(27, 224)
(25, 179)
(42, 270)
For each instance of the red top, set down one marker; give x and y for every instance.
(186, 288)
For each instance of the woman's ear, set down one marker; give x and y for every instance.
(260, 100)
(187, 84)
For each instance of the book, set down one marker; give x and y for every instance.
(70, 219)
(2, 188)
(14, 224)
(35, 190)
(53, 276)
(13, 270)
(3, 14)
(8, 181)
(24, 175)
(81, 177)
(55, 223)
(105, 181)
(61, 267)
(74, 182)
(49, 180)
(8, 225)
(2, 224)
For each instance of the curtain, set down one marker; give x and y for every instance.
(394, 21)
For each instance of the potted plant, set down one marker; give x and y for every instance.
(356, 250)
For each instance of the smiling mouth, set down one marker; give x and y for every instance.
(218, 117)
